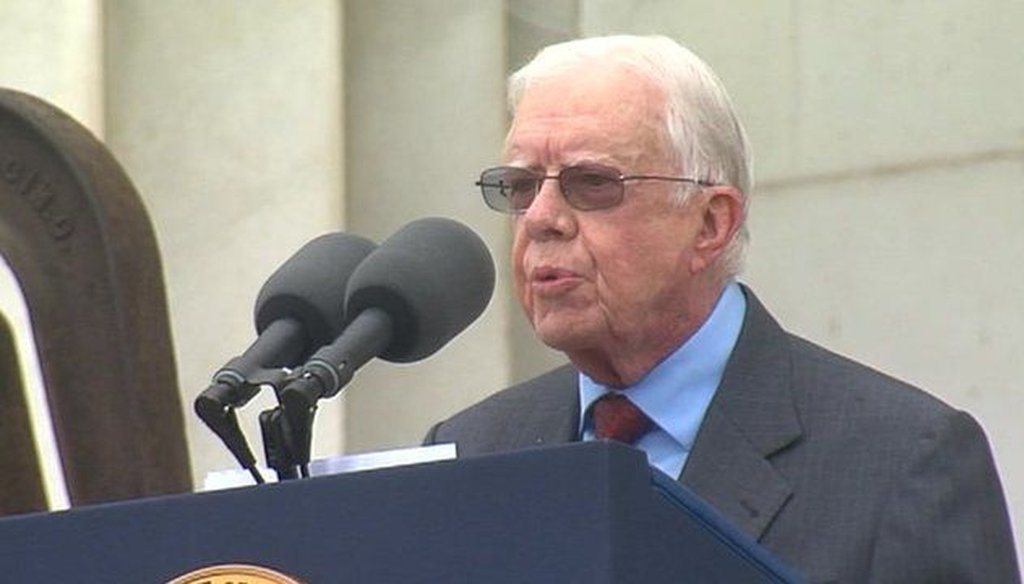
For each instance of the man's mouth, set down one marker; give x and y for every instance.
(553, 280)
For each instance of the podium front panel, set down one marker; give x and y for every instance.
(588, 512)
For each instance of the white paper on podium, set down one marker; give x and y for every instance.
(227, 479)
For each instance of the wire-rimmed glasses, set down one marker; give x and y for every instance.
(587, 187)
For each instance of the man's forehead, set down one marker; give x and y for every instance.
(609, 90)
(612, 109)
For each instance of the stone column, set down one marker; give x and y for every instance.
(424, 114)
(227, 116)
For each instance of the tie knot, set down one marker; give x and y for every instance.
(617, 418)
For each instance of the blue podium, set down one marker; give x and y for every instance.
(586, 512)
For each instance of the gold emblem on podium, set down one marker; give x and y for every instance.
(234, 574)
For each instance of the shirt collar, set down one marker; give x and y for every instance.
(677, 392)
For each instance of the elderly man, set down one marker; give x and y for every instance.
(627, 174)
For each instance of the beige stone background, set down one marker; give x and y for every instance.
(889, 154)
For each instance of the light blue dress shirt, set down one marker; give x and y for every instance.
(677, 392)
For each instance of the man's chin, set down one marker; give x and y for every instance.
(565, 337)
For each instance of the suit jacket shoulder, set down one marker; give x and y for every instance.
(845, 472)
(542, 410)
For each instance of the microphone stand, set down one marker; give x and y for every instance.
(217, 406)
(278, 445)
(287, 433)
(323, 376)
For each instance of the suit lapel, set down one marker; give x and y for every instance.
(751, 417)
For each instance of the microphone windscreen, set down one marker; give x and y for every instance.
(310, 286)
(433, 277)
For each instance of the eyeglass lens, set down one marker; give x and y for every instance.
(512, 190)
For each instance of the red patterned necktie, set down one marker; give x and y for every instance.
(617, 418)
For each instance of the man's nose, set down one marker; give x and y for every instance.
(550, 216)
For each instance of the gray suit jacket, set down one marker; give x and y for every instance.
(847, 474)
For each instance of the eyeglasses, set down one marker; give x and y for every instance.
(511, 189)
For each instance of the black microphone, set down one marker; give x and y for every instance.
(413, 294)
(298, 310)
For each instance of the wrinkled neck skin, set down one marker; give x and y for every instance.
(626, 359)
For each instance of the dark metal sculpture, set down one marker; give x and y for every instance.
(76, 235)
(21, 482)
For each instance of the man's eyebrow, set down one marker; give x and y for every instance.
(594, 158)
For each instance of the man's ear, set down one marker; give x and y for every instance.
(721, 209)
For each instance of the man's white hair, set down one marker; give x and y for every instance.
(702, 128)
